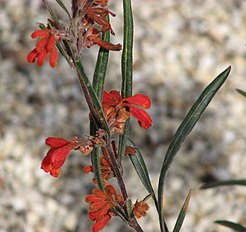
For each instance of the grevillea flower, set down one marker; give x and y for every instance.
(100, 205)
(45, 45)
(56, 156)
(105, 168)
(92, 24)
(94, 37)
(117, 109)
(140, 209)
(60, 149)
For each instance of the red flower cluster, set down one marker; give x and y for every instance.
(88, 27)
(60, 149)
(105, 168)
(56, 156)
(100, 205)
(140, 209)
(117, 110)
(45, 45)
(96, 14)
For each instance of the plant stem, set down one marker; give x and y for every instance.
(133, 223)
(116, 170)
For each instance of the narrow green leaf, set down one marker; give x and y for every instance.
(241, 92)
(223, 183)
(95, 160)
(63, 52)
(98, 86)
(140, 166)
(182, 214)
(129, 208)
(101, 68)
(235, 226)
(64, 8)
(52, 13)
(126, 69)
(184, 129)
(141, 169)
(126, 59)
(119, 213)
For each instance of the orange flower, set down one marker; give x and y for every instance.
(94, 37)
(56, 156)
(98, 15)
(140, 209)
(117, 109)
(45, 45)
(94, 22)
(100, 205)
(106, 171)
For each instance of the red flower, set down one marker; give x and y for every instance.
(94, 23)
(115, 108)
(94, 37)
(101, 204)
(45, 45)
(105, 168)
(56, 156)
(98, 15)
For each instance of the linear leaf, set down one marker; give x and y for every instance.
(52, 13)
(101, 68)
(64, 8)
(235, 226)
(140, 167)
(126, 68)
(95, 161)
(184, 129)
(142, 171)
(223, 183)
(182, 214)
(241, 92)
(126, 59)
(98, 86)
(129, 208)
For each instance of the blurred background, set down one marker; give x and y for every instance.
(180, 46)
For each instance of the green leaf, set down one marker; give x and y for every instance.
(126, 69)
(63, 52)
(101, 68)
(118, 211)
(241, 92)
(140, 167)
(64, 8)
(142, 171)
(52, 13)
(182, 214)
(231, 225)
(98, 86)
(129, 208)
(223, 183)
(95, 161)
(184, 129)
(126, 59)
